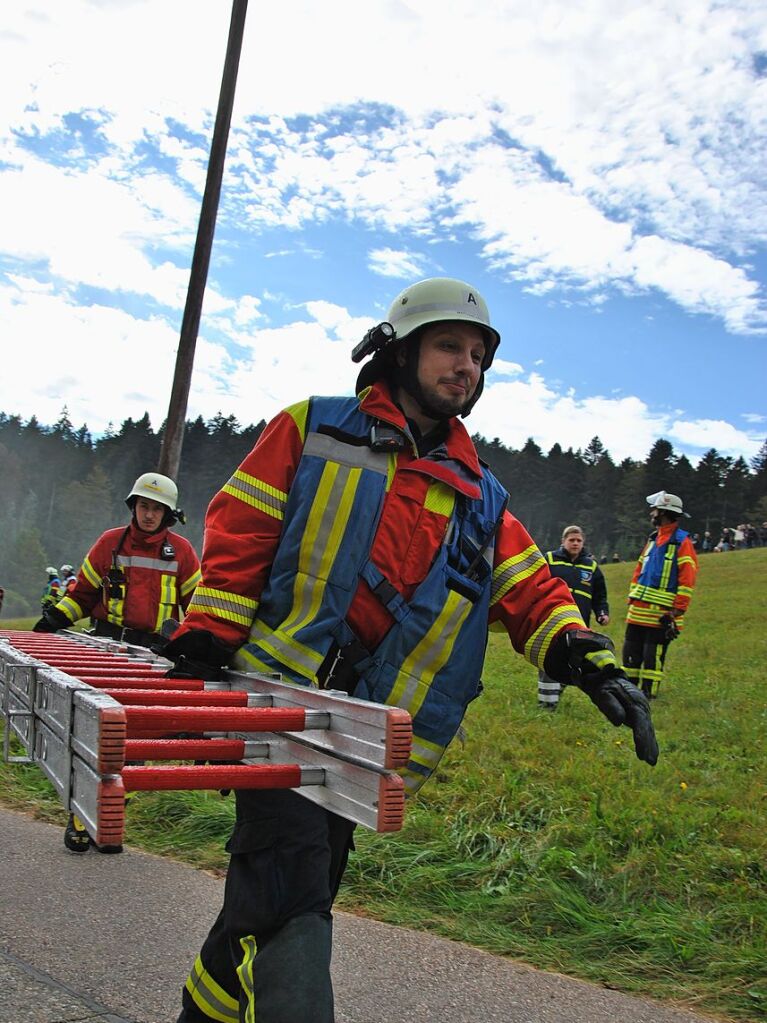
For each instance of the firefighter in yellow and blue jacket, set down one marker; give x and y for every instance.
(659, 593)
(572, 563)
(362, 546)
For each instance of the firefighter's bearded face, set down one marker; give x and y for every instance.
(449, 367)
(149, 514)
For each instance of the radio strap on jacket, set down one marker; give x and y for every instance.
(114, 583)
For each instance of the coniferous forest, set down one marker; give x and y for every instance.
(61, 489)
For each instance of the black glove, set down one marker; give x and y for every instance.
(594, 670)
(197, 654)
(51, 621)
(185, 667)
(670, 627)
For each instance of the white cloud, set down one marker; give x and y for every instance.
(714, 433)
(502, 367)
(88, 358)
(394, 263)
(514, 411)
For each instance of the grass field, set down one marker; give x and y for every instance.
(542, 837)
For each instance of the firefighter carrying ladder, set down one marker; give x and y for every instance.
(85, 709)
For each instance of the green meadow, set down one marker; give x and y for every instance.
(544, 839)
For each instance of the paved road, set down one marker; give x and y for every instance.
(109, 939)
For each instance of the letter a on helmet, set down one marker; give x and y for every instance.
(156, 488)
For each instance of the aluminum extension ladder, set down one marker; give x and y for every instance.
(86, 708)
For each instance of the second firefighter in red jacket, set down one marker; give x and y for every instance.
(133, 579)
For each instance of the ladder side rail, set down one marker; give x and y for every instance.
(54, 758)
(360, 730)
(17, 710)
(366, 795)
(99, 802)
(99, 731)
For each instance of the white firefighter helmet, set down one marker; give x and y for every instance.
(667, 502)
(66, 569)
(50, 570)
(156, 488)
(437, 299)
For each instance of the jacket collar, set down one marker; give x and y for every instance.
(454, 461)
(143, 539)
(664, 533)
(583, 555)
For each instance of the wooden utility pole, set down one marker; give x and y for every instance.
(170, 453)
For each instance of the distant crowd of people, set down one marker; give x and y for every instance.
(742, 537)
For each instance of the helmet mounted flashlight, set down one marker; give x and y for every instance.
(375, 339)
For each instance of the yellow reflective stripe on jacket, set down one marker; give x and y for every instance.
(651, 616)
(90, 574)
(189, 584)
(686, 560)
(298, 414)
(652, 595)
(684, 591)
(286, 649)
(230, 606)
(601, 659)
(245, 973)
(257, 494)
(71, 609)
(429, 656)
(514, 570)
(168, 600)
(325, 528)
(440, 499)
(668, 563)
(427, 754)
(116, 612)
(391, 468)
(538, 645)
(209, 997)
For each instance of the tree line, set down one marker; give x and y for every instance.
(61, 489)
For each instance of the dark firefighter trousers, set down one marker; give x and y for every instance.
(644, 657)
(267, 956)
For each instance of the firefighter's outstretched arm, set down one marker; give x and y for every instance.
(591, 660)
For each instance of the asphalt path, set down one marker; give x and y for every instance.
(109, 939)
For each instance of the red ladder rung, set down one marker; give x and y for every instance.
(182, 698)
(184, 749)
(215, 719)
(212, 776)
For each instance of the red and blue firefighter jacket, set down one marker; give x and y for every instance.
(159, 573)
(319, 543)
(663, 578)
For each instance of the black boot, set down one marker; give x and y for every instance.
(76, 838)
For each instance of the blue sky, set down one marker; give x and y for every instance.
(597, 171)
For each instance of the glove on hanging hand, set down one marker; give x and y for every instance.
(595, 671)
(51, 621)
(670, 627)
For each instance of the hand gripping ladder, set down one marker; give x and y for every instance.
(86, 709)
